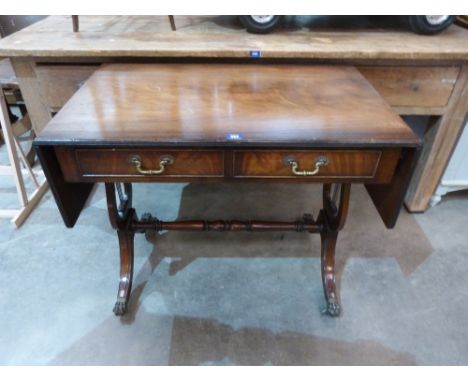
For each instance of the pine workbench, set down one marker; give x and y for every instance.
(416, 75)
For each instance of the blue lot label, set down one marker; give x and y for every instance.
(255, 53)
(234, 137)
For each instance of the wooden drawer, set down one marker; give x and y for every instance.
(412, 86)
(99, 163)
(347, 165)
(58, 83)
(342, 165)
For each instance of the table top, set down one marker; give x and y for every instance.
(327, 38)
(227, 105)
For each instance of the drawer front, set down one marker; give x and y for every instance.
(322, 165)
(94, 163)
(413, 86)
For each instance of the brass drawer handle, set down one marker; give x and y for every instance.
(320, 162)
(163, 162)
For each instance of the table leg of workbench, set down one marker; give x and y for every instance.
(36, 106)
(438, 146)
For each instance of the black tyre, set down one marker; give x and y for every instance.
(429, 24)
(260, 24)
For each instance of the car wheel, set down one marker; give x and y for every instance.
(429, 24)
(260, 24)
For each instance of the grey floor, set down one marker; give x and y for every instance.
(234, 299)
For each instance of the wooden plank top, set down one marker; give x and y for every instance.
(227, 105)
(222, 36)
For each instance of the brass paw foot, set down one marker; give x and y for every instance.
(120, 308)
(333, 309)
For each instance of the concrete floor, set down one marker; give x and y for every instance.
(234, 299)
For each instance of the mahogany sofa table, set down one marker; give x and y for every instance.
(227, 123)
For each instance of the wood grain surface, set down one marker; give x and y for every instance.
(413, 86)
(185, 163)
(222, 36)
(58, 83)
(439, 143)
(273, 163)
(227, 105)
(95, 164)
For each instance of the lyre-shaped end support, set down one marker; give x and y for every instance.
(121, 217)
(332, 218)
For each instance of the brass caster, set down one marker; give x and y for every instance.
(333, 309)
(120, 308)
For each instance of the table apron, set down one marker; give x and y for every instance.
(315, 165)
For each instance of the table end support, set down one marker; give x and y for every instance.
(122, 216)
(332, 218)
(126, 241)
(330, 221)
